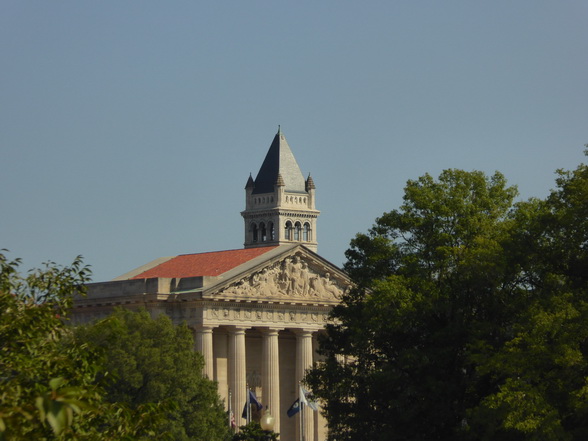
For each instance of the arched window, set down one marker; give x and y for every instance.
(288, 231)
(272, 233)
(254, 232)
(263, 232)
(297, 229)
(306, 233)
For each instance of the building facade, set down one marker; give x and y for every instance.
(255, 312)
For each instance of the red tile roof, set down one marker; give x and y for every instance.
(203, 264)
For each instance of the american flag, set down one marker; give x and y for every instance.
(232, 419)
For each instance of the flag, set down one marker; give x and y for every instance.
(294, 408)
(302, 396)
(307, 398)
(252, 400)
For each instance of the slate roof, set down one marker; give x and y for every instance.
(279, 161)
(203, 264)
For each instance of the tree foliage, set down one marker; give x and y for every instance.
(542, 371)
(48, 384)
(468, 320)
(254, 432)
(152, 361)
(128, 377)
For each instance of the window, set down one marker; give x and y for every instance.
(297, 229)
(254, 232)
(263, 232)
(272, 233)
(288, 231)
(306, 233)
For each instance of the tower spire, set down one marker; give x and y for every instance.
(279, 207)
(279, 160)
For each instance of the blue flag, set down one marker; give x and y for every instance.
(252, 400)
(294, 408)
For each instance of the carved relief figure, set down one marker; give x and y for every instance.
(286, 280)
(292, 277)
(295, 276)
(304, 280)
(329, 288)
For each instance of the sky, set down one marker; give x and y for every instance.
(128, 129)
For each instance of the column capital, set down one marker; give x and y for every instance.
(270, 330)
(203, 328)
(237, 329)
(302, 332)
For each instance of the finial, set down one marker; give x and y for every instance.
(279, 129)
(250, 182)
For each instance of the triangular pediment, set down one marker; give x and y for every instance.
(295, 276)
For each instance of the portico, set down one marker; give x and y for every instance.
(263, 345)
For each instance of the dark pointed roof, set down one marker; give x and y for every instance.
(250, 183)
(279, 161)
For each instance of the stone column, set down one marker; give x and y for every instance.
(237, 371)
(221, 365)
(270, 374)
(304, 362)
(320, 422)
(203, 343)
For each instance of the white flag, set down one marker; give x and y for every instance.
(303, 396)
(307, 398)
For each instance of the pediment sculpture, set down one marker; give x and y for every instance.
(290, 278)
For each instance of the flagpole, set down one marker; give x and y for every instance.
(231, 411)
(248, 419)
(301, 404)
(302, 412)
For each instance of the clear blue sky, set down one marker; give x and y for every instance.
(128, 128)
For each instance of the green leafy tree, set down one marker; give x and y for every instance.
(152, 361)
(469, 319)
(542, 371)
(47, 381)
(432, 279)
(254, 432)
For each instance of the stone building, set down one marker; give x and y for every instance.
(256, 311)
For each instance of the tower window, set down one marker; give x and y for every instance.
(254, 232)
(288, 231)
(297, 229)
(263, 232)
(272, 233)
(307, 237)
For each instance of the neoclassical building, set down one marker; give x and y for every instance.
(255, 311)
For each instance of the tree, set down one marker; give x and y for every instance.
(254, 432)
(431, 279)
(542, 371)
(469, 319)
(48, 384)
(153, 361)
